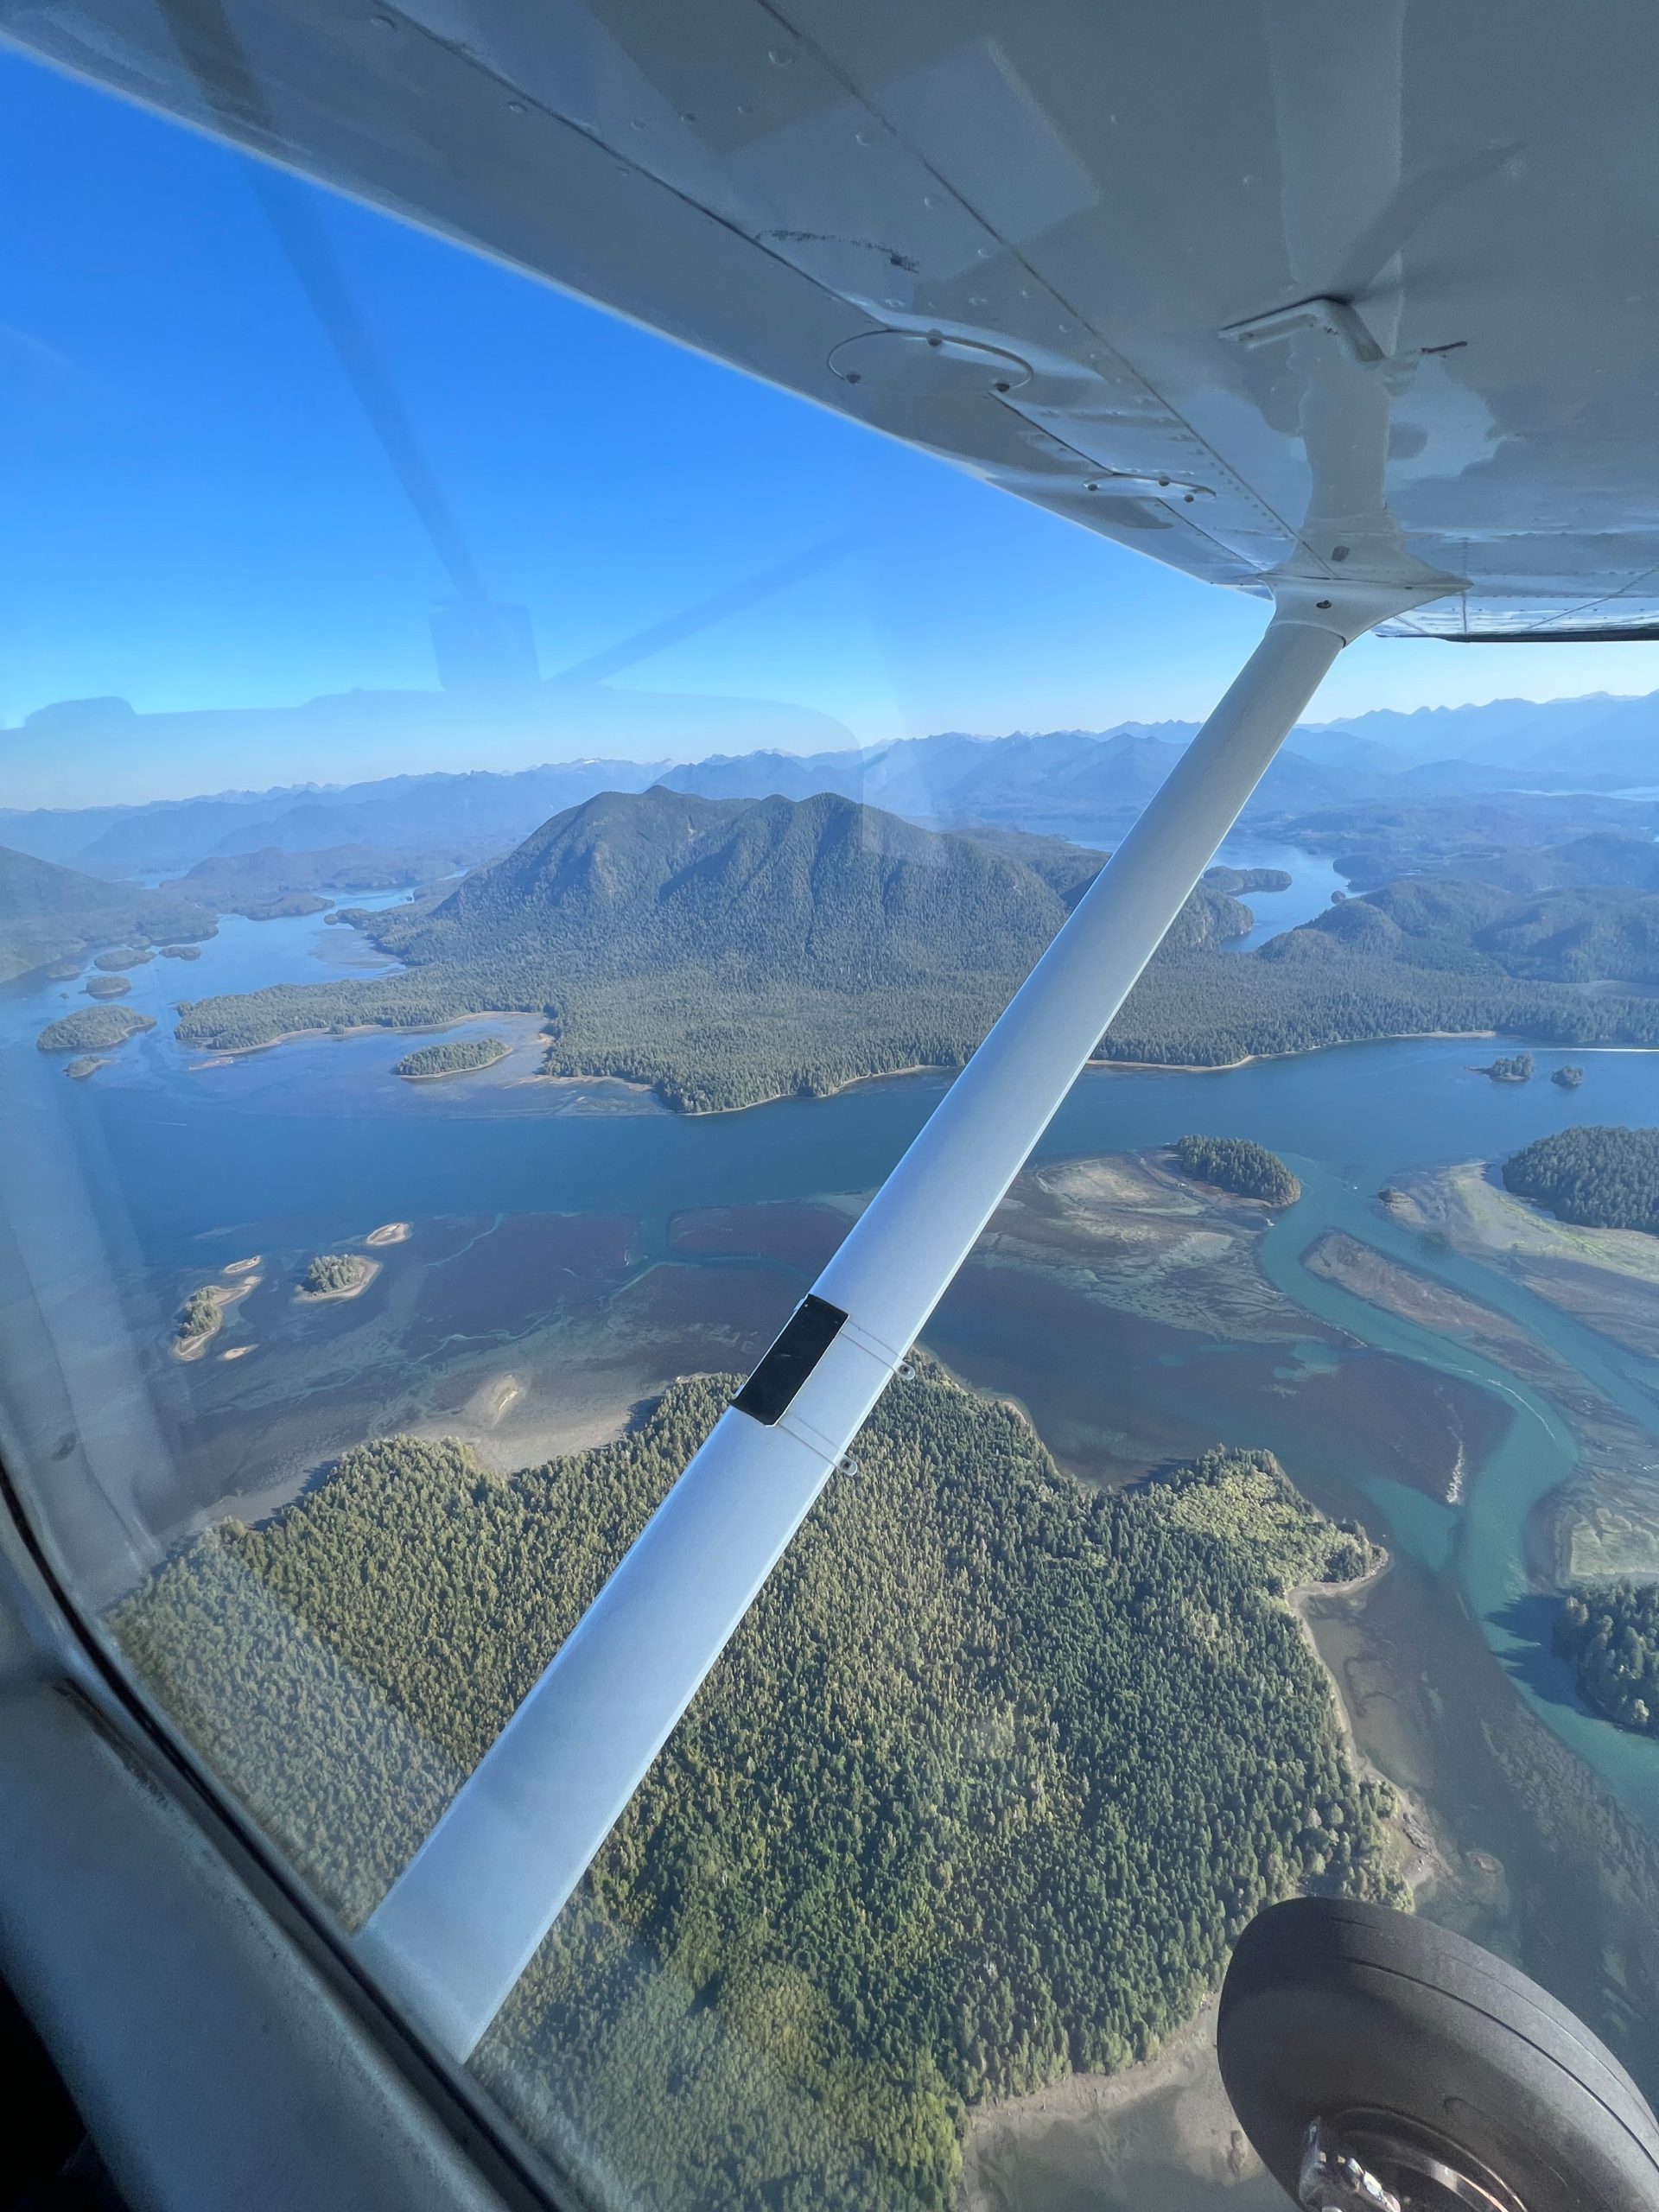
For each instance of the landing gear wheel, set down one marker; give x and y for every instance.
(1377, 2062)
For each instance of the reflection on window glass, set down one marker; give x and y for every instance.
(481, 911)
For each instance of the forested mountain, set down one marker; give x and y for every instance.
(1606, 933)
(721, 950)
(1372, 841)
(986, 1781)
(1605, 856)
(727, 951)
(234, 884)
(49, 913)
(1602, 1178)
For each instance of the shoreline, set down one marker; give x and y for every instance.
(1084, 2126)
(220, 1053)
(448, 1075)
(194, 1347)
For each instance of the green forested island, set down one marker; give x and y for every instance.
(92, 1029)
(107, 987)
(1611, 1634)
(1517, 1067)
(985, 1785)
(1599, 1177)
(330, 1273)
(1567, 1078)
(459, 1056)
(733, 950)
(1236, 1165)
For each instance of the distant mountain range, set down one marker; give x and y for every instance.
(1082, 782)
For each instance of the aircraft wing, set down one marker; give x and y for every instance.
(1053, 243)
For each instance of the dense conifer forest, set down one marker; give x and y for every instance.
(335, 1271)
(92, 1029)
(1234, 1164)
(199, 1315)
(985, 1785)
(725, 952)
(459, 1056)
(1611, 1636)
(1599, 1177)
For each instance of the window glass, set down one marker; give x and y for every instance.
(507, 830)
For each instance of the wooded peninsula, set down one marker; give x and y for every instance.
(986, 1782)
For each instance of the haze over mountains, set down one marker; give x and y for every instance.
(1080, 782)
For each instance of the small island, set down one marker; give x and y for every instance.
(93, 1029)
(338, 1274)
(287, 907)
(106, 986)
(124, 955)
(1596, 1178)
(389, 1232)
(1611, 1633)
(1568, 1078)
(1518, 1069)
(202, 1315)
(88, 1064)
(461, 1056)
(1234, 1163)
(181, 952)
(62, 971)
(1239, 882)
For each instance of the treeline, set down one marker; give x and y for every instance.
(459, 1056)
(1213, 1012)
(92, 1029)
(729, 953)
(709, 1038)
(983, 1789)
(1611, 1636)
(1234, 1164)
(1598, 1178)
(199, 1315)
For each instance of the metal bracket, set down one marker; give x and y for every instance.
(1336, 319)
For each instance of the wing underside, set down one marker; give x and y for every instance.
(1028, 239)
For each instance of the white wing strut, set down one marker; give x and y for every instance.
(461, 1923)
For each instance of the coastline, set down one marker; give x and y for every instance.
(1092, 2137)
(218, 1054)
(194, 1347)
(1094, 2133)
(448, 1075)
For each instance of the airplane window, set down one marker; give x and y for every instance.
(509, 831)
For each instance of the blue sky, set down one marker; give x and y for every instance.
(198, 514)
